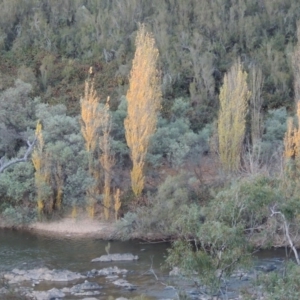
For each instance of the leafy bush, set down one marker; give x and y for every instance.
(274, 130)
(170, 212)
(245, 202)
(64, 144)
(17, 117)
(215, 240)
(17, 185)
(281, 285)
(20, 215)
(174, 140)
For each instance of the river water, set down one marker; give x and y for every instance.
(24, 250)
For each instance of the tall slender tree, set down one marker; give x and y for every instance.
(90, 123)
(234, 96)
(292, 138)
(106, 158)
(296, 67)
(42, 163)
(256, 102)
(144, 100)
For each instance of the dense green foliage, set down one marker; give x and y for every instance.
(282, 285)
(214, 217)
(51, 45)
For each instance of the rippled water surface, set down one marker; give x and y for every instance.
(26, 251)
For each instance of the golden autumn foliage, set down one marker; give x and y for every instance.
(292, 138)
(144, 100)
(49, 177)
(106, 159)
(41, 162)
(90, 116)
(37, 159)
(90, 123)
(59, 181)
(234, 96)
(118, 203)
(95, 128)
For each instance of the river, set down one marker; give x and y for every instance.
(24, 250)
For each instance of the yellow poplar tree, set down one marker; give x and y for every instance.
(59, 182)
(118, 203)
(41, 163)
(234, 96)
(90, 124)
(106, 159)
(144, 100)
(90, 116)
(292, 147)
(292, 138)
(292, 135)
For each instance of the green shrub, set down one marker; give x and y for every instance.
(275, 127)
(17, 185)
(281, 285)
(175, 142)
(20, 215)
(169, 213)
(214, 239)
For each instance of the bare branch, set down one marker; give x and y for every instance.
(4, 165)
(287, 231)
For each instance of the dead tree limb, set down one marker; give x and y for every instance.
(4, 165)
(287, 231)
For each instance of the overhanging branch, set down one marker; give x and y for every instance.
(287, 231)
(4, 165)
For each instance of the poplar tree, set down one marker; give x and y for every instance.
(118, 203)
(234, 96)
(106, 158)
(292, 138)
(41, 162)
(90, 123)
(292, 135)
(296, 66)
(292, 148)
(96, 128)
(144, 98)
(90, 115)
(59, 182)
(256, 102)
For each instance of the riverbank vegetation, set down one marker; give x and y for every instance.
(180, 118)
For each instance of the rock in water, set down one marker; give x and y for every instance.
(116, 257)
(125, 284)
(47, 295)
(41, 274)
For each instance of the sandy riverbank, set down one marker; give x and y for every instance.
(68, 227)
(75, 228)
